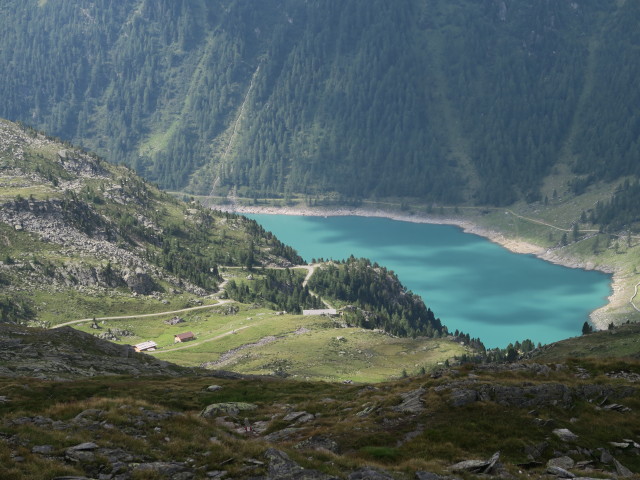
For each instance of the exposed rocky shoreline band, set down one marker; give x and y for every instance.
(598, 317)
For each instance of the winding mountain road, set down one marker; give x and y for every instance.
(144, 315)
(310, 269)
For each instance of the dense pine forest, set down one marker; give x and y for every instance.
(281, 288)
(374, 298)
(461, 101)
(621, 211)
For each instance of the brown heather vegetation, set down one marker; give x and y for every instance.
(361, 419)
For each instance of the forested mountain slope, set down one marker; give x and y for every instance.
(444, 101)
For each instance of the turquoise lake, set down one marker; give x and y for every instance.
(470, 283)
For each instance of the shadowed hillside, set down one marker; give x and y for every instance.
(446, 101)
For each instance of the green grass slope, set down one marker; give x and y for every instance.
(617, 343)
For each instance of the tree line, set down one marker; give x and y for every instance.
(280, 288)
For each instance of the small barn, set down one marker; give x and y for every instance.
(183, 337)
(148, 346)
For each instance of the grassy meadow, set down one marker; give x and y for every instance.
(254, 338)
(258, 340)
(620, 342)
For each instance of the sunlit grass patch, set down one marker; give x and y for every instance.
(381, 453)
(599, 350)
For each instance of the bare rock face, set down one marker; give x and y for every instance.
(78, 163)
(298, 417)
(368, 473)
(477, 466)
(463, 396)
(166, 469)
(433, 476)
(284, 434)
(174, 321)
(562, 462)
(281, 467)
(621, 470)
(140, 282)
(560, 472)
(228, 408)
(411, 402)
(81, 453)
(531, 396)
(534, 452)
(565, 435)
(318, 443)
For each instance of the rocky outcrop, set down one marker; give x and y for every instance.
(140, 282)
(228, 408)
(298, 417)
(560, 472)
(284, 434)
(81, 164)
(563, 462)
(369, 473)
(318, 443)
(113, 334)
(477, 466)
(68, 353)
(411, 402)
(82, 233)
(174, 321)
(433, 476)
(281, 467)
(530, 396)
(625, 375)
(98, 460)
(317, 437)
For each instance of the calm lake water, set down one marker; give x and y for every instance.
(471, 284)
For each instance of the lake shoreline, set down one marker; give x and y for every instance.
(597, 317)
